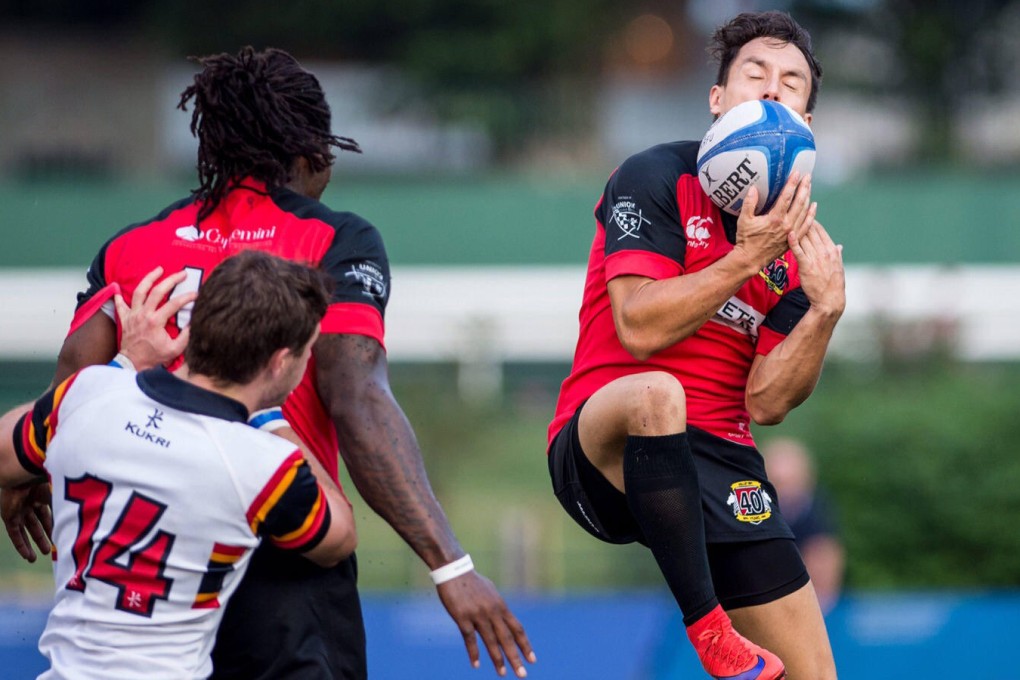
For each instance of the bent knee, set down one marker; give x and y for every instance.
(657, 404)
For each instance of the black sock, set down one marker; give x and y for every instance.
(665, 499)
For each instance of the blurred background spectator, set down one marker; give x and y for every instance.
(807, 509)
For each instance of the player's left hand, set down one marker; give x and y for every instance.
(144, 338)
(820, 263)
(27, 518)
(477, 607)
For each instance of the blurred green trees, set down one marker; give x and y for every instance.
(939, 55)
(516, 67)
(921, 458)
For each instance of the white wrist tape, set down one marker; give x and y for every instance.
(121, 361)
(268, 419)
(452, 570)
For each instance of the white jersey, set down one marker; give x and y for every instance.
(160, 493)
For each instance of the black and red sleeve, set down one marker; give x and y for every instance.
(641, 217)
(782, 319)
(357, 262)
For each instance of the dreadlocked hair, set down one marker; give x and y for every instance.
(254, 115)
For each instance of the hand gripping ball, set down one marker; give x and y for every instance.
(756, 143)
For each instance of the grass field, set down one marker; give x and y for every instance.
(920, 459)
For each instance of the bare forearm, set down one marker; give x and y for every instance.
(653, 315)
(11, 471)
(378, 445)
(383, 459)
(94, 343)
(782, 380)
(786, 377)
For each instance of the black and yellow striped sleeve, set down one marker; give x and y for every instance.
(34, 431)
(291, 510)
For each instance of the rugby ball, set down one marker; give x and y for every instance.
(757, 143)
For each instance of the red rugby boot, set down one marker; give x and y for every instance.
(728, 655)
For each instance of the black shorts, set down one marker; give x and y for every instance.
(290, 619)
(750, 546)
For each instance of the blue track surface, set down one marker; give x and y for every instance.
(639, 635)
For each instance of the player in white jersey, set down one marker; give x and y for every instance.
(161, 486)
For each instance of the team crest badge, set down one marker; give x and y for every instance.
(776, 275)
(629, 218)
(750, 502)
(371, 278)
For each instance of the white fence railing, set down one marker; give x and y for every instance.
(495, 314)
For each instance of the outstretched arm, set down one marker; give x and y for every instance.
(383, 459)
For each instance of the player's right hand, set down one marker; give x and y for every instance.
(479, 610)
(144, 338)
(765, 237)
(27, 517)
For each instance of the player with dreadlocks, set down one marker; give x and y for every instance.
(254, 115)
(264, 160)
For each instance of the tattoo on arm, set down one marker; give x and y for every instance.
(378, 445)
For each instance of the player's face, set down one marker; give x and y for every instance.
(293, 371)
(300, 363)
(765, 68)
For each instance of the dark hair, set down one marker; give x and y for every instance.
(254, 115)
(252, 305)
(742, 29)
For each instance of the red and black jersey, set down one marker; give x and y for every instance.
(280, 222)
(654, 220)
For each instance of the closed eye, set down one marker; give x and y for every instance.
(753, 71)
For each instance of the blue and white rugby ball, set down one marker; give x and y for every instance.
(757, 143)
